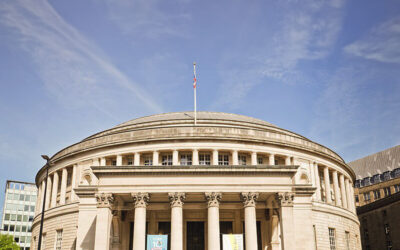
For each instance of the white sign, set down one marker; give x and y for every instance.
(232, 241)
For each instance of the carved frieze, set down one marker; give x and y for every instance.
(104, 199)
(176, 199)
(140, 199)
(249, 199)
(285, 199)
(213, 199)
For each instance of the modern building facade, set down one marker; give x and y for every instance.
(228, 174)
(19, 211)
(377, 195)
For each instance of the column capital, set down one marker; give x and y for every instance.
(285, 199)
(176, 199)
(249, 199)
(213, 199)
(104, 199)
(140, 199)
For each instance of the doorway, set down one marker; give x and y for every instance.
(195, 235)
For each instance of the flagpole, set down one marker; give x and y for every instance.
(194, 89)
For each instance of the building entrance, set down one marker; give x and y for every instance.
(195, 235)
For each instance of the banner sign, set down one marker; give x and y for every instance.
(157, 242)
(232, 241)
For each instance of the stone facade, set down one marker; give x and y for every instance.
(228, 174)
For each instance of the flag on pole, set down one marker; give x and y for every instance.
(194, 78)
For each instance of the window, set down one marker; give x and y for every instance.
(387, 229)
(130, 160)
(30, 218)
(376, 178)
(242, 159)
(260, 160)
(13, 217)
(223, 159)
(27, 197)
(377, 194)
(12, 228)
(366, 181)
(59, 239)
(186, 159)
(148, 160)
(43, 241)
(23, 229)
(166, 160)
(396, 172)
(367, 196)
(25, 218)
(7, 217)
(397, 188)
(357, 199)
(19, 217)
(32, 208)
(204, 159)
(113, 162)
(17, 228)
(386, 176)
(389, 245)
(387, 191)
(22, 239)
(347, 240)
(22, 197)
(5, 228)
(332, 239)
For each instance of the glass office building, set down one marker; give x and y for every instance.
(18, 211)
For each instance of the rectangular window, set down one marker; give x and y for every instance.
(113, 162)
(397, 188)
(242, 159)
(223, 159)
(204, 159)
(260, 160)
(19, 217)
(27, 197)
(13, 217)
(21, 197)
(347, 240)
(166, 160)
(12, 227)
(18, 228)
(5, 228)
(357, 199)
(387, 229)
(148, 160)
(377, 194)
(7, 217)
(130, 161)
(59, 239)
(332, 239)
(387, 191)
(367, 197)
(186, 159)
(43, 241)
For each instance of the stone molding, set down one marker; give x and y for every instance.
(104, 199)
(140, 199)
(176, 199)
(213, 198)
(285, 199)
(249, 199)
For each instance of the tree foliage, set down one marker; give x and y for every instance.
(7, 242)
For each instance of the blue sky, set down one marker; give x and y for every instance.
(328, 70)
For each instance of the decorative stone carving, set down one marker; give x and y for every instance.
(140, 199)
(213, 199)
(104, 199)
(176, 199)
(249, 199)
(285, 199)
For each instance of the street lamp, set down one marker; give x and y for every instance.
(45, 157)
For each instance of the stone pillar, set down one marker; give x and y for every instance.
(38, 198)
(317, 181)
(254, 158)
(271, 159)
(343, 191)
(119, 160)
(327, 185)
(139, 234)
(175, 155)
(48, 194)
(156, 155)
(63, 190)
(136, 160)
(285, 201)
(42, 196)
(102, 161)
(235, 158)
(213, 200)
(287, 160)
(177, 200)
(195, 157)
(352, 206)
(103, 221)
(55, 190)
(215, 157)
(73, 183)
(336, 188)
(348, 194)
(275, 245)
(250, 223)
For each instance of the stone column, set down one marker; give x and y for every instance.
(102, 161)
(175, 155)
(48, 192)
(250, 223)
(156, 155)
(327, 185)
(287, 160)
(177, 200)
(317, 181)
(336, 188)
(119, 160)
(215, 157)
(254, 158)
(348, 194)
(235, 159)
(73, 182)
(285, 201)
(42, 196)
(213, 200)
(343, 191)
(63, 190)
(55, 190)
(271, 159)
(136, 160)
(139, 234)
(195, 157)
(275, 245)
(353, 204)
(38, 198)
(103, 221)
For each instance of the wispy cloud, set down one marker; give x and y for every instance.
(73, 69)
(381, 43)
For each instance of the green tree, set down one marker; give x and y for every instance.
(7, 242)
